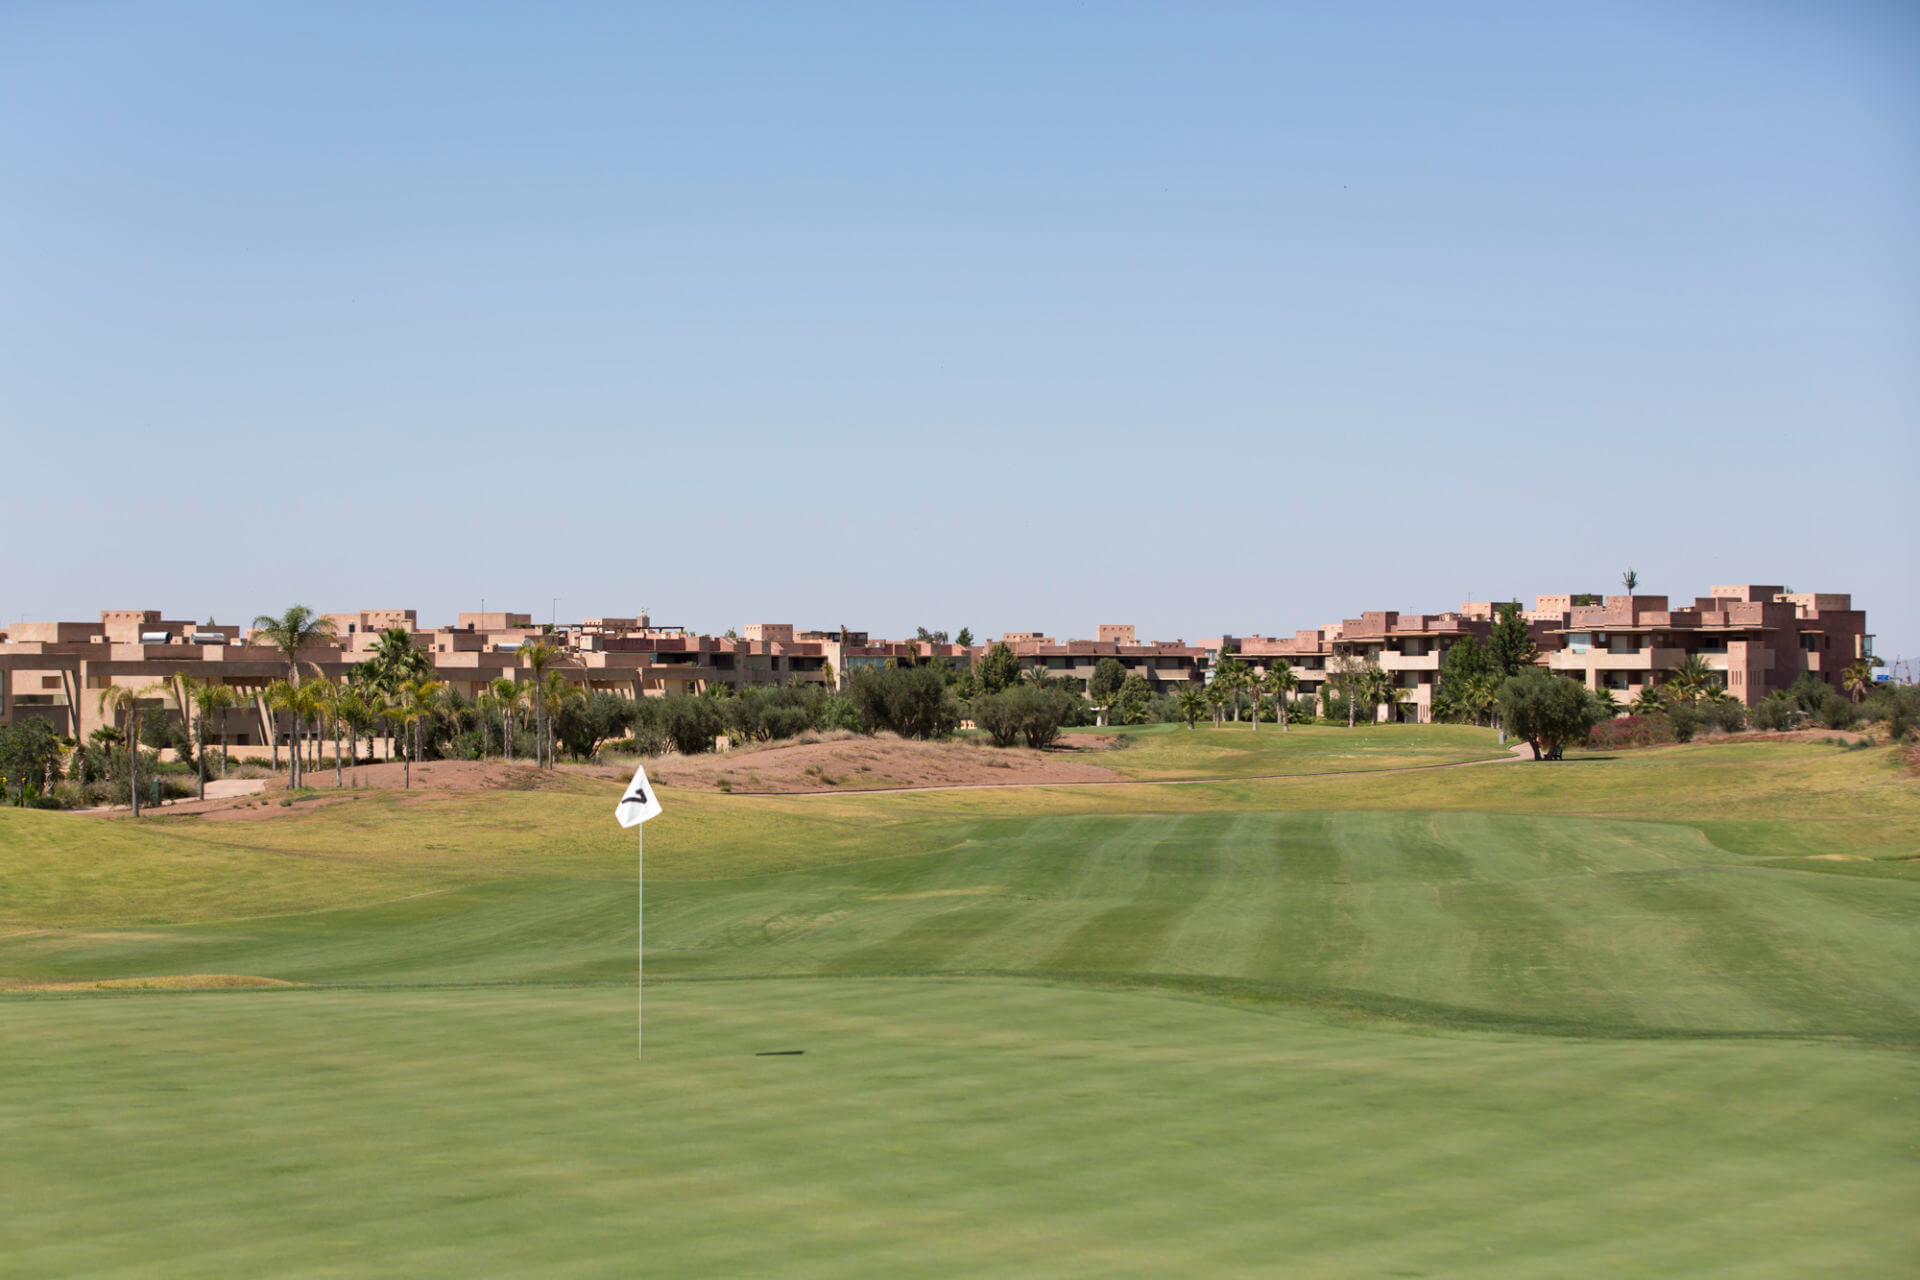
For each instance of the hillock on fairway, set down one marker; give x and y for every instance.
(1642, 1015)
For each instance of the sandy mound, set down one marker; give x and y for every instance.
(879, 763)
(438, 775)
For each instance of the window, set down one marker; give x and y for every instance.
(1809, 641)
(1579, 641)
(49, 682)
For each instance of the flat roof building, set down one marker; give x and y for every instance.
(1753, 639)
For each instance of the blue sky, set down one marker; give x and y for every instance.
(1205, 317)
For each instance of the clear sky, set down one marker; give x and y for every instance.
(1030, 316)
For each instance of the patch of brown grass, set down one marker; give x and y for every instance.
(163, 982)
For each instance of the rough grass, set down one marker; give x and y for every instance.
(1646, 1015)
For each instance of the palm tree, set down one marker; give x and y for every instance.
(283, 695)
(122, 702)
(1648, 702)
(1481, 695)
(1630, 580)
(1608, 705)
(105, 738)
(1351, 679)
(1690, 679)
(506, 696)
(1216, 696)
(540, 655)
(1281, 682)
(296, 629)
(1191, 702)
(560, 691)
(416, 704)
(396, 659)
(323, 700)
(428, 696)
(402, 712)
(1380, 691)
(310, 701)
(181, 686)
(209, 701)
(1857, 678)
(1234, 676)
(356, 713)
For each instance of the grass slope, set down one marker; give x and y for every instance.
(1210, 1029)
(1172, 751)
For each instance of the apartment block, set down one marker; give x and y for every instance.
(1166, 664)
(1755, 639)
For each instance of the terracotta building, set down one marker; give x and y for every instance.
(1756, 639)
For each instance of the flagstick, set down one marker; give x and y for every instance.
(640, 943)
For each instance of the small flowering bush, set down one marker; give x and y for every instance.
(1633, 731)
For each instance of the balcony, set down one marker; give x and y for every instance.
(1391, 661)
(1566, 660)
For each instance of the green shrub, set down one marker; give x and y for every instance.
(1775, 713)
(913, 702)
(1726, 717)
(1163, 708)
(840, 712)
(996, 715)
(1836, 712)
(1023, 713)
(1807, 693)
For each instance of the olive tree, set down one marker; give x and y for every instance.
(1547, 711)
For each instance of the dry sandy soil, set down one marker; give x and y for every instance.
(432, 780)
(851, 763)
(883, 761)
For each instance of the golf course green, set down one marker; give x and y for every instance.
(1649, 1014)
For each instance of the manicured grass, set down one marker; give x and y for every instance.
(1240, 750)
(1642, 1015)
(933, 1128)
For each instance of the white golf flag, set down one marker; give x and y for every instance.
(639, 803)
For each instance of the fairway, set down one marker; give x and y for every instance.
(1649, 1015)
